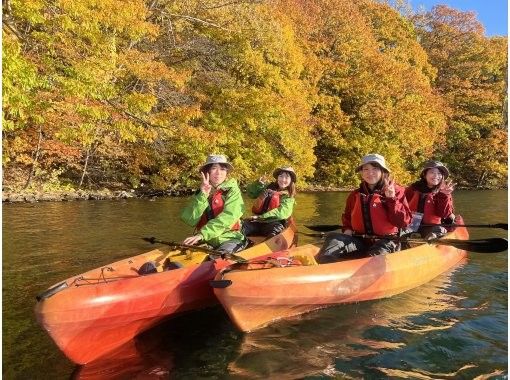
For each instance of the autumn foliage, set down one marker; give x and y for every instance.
(127, 93)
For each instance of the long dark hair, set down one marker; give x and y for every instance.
(380, 184)
(425, 185)
(291, 189)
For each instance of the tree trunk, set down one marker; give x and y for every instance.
(481, 179)
(36, 158)
(84, 168)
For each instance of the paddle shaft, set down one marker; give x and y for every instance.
(490, 245)
(332, 227)
(196, 248)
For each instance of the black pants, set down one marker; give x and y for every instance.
(338, 246)
(267, 229)
(232, 246)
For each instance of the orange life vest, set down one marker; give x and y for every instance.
(424, 203)
(266, 201)
(216, 204)
(369, 216)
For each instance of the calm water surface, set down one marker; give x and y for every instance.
(453, 327)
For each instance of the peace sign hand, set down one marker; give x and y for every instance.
(389, 187)
(446, 187)
(205, 187)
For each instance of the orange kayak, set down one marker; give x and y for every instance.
(257, 294)
(93, 313)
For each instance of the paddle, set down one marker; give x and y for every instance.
(211, 252)
(332, 227)
(490, 245)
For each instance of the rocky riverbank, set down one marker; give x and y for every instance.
(79, 195)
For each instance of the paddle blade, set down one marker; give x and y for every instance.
(324, 227)
(503, 226)
(491, 245)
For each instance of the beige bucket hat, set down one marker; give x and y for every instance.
(373, 158)
(287, 169)
(216, 159)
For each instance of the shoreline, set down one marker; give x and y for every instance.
(107, 194)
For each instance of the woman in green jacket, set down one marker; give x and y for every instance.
(216, 208)
(274, 204)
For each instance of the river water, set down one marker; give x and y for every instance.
(453, 327)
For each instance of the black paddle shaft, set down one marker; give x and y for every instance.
(211, 252)
(333, 227)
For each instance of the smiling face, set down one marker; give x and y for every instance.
(217, 174)
(433, 176)
(284, 180)
(371, 174)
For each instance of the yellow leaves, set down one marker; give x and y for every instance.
(315, 84)
(140, 103)
(125, 17)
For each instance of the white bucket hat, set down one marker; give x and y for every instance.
(216, 159)
(373, 158)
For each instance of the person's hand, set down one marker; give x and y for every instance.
(389, 187)
(263, 178)
(205, 187)
(348, 232)
(192, 240)
(446, 187)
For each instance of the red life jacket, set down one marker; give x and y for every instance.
(216, 204)
(266, 201)
(424, 203)
(369, 216)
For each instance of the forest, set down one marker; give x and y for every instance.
(130, 94)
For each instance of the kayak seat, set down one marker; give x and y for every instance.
(169, 265)
(148, 268)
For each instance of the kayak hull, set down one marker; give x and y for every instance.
(256, 298)
(102, 309)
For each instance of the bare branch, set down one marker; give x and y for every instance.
(134, 117)
(233, 3)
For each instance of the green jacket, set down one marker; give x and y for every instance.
(217, 230)
(282, 212)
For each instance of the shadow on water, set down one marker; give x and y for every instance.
(187, 346)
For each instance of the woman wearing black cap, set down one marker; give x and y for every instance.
(431, 198)
(274, 203)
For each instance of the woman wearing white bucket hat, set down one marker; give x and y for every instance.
(216, 208)
(378, 208)
(430, 198)
(274, 203)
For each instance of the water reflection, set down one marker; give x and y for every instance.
(135, 360)
(336, 341)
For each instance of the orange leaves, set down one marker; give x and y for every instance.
(149, 89)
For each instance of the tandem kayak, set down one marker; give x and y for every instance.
(258, 294)
(93, 313)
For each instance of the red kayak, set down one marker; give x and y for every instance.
(95, 312)
(259, 293)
